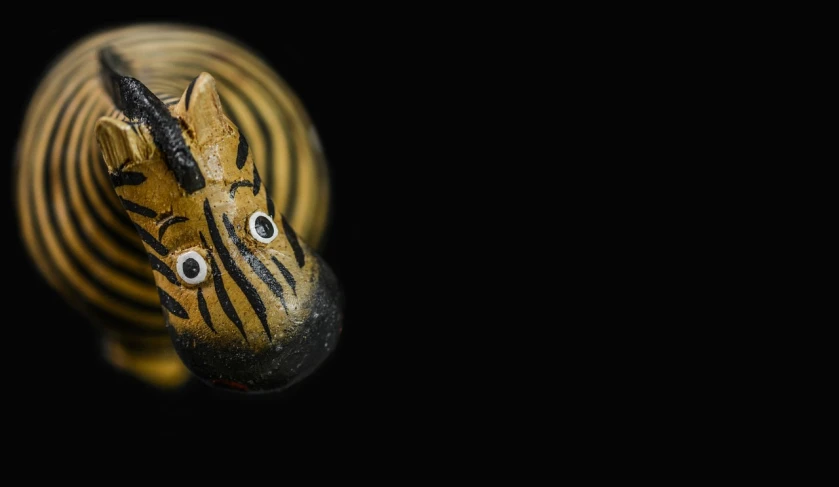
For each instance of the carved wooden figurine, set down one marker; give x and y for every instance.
(160, 173)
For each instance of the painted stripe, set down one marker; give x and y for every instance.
(109, 202)
(127, 178)
(257, 181)
(205, 313)
(137, 208)
(119, 239)
(241, 152)
(188, 95)
(221, 292)
(151, 241)
(161, 267)
(234, 271)
(256, 265)
(286, 273)
(168, 223)
(237, 185)
(295, 245)
(172, 305)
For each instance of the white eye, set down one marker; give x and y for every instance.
(262, 227)
(192, 267)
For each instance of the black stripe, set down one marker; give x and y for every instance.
(188, 93)
(241, 152)
(161, 267)
(238, 276)
(106, 194)
(137, 208)
(295, 245)
(149, 239)
(237, 185)
(285, 272)
(168, 223)
(172, 305)
(257, 181)
(205, 313)
(270, 205)
(221, 292)
(127, 178)
(258, 267)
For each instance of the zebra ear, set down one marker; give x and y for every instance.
(200, 107)
(119, 143)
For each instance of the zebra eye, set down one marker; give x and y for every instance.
(192, 267)
(262, 227)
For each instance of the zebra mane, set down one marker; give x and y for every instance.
(139, 104)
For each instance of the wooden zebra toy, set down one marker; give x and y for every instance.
(160, 172)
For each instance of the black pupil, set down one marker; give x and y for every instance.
(263, 227)
(191, 268)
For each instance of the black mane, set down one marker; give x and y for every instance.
(141, 105)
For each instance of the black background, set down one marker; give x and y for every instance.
(370, 92)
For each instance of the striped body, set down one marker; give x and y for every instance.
(75, 225)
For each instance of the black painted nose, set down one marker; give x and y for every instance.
(286, 361)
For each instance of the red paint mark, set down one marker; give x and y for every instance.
(230, 384)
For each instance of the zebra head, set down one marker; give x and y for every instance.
(247, 303)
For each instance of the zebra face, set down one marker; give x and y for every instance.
(247, 303)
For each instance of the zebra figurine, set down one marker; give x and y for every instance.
(147, 171)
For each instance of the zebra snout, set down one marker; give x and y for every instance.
(239, 366)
